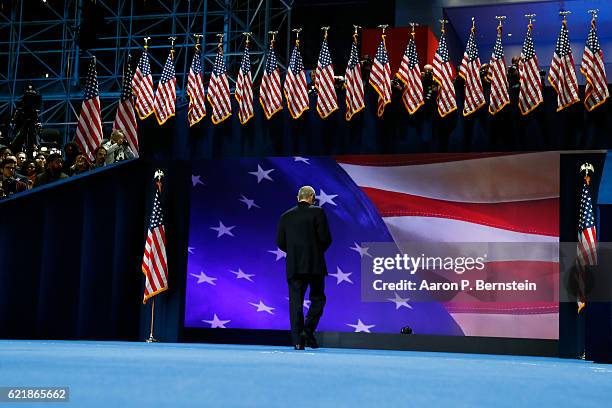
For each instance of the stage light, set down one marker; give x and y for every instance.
(46, 75)
(509, 34)
(406, 330)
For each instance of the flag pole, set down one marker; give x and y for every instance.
(152, 339)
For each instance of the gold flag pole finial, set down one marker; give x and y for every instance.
(172, 41)
(273, 39)
(146, 40)
(564, 14)
(356, 32)
(500, 20)
(586, 167)
(325, 30)
(248, 35)
(220, 44)
(531, 18)
(593, 13)
(297, 32)
(473, 29)
(198, 38)
(412, 27)
(384, 28)
(442, 24)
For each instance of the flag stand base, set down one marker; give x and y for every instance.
(152, 339)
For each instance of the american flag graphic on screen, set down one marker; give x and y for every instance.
(154, 260)
(327, 100)
(125, 119)
(355, 99)
(244, 88)
(195, 89)
(380, 77)
(387, 198)
(295, 89)
(142, 85)
(470, 72)
(593, 67)
(270, 94)
(444, 76)
(530, 88)
(410, 74)
(562, 73)
(89, 125)
(497, 73)
(164, 104)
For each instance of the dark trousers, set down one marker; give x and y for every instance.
(297, 289)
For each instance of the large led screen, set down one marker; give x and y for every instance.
(236, 273)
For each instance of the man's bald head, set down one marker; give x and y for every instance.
(306, 193)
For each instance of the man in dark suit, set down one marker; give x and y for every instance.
(304, 235)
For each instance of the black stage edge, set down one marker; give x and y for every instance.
(382, 341)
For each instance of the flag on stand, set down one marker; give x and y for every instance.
(244, 88)
(470, 72)
(89, 126)
(327, 100)
(530, 90)
(586, 252)
(142, 85)
(562, 73)
(410, 74)
(353, 84)
(380, 77)
(195, 89)
(593, 67)
(125, 119)
(270, 96)
(295, 89)
(154, 260)
(497, 73)
(165, 97)
(218, 89)
(443, 74)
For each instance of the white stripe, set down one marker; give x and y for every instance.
(486, 180)
(531, 326)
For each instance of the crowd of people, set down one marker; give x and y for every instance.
(21, 171)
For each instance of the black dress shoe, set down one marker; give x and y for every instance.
(311, 340)
(298, 347)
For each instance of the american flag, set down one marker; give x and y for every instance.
(327, 100)
(410, 74)
(154, 260)
(270, 96)
(443, 74)
(499, 81)
(470, 72)
(562, 73)
(89, 126)
(354, 85)
(530, 92)
(165, 97)
(244, 88)
(219, 91)
(142, 84)
(586, 252)
(380, 77)
(295, 88)
(428, 198)
(195, 90)
(593, 68)
(125, 119)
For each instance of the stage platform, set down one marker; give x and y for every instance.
(122, 374)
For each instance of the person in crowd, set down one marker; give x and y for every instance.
(71, 151)
(28, 171)
(99, 157)
(4, 152)
(117, 148)
(41, 162)
(21, 158)
(9, 184)
(81, 165)
(53, 172)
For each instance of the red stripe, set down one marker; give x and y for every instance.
(533, 217)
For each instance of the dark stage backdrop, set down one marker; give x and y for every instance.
(70, 254)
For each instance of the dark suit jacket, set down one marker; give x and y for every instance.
(304, 235)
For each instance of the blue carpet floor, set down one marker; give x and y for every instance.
(115, 374)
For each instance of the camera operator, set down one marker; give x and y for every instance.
(117, 148)
(9, 184)
(26, 121)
